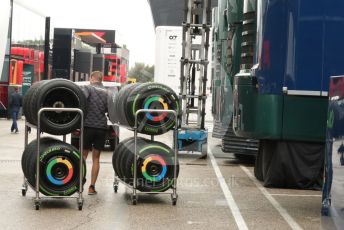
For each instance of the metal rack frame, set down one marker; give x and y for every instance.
(37, 199)
(134, 195)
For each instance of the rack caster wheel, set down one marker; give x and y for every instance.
(115, 188)
(174, 199)
(80, 203)
(133, 200)
(37, 206)
(23, 192)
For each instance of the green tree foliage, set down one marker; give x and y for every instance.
(142, 72)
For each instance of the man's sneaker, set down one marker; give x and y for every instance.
(92, 190)
(17, 131)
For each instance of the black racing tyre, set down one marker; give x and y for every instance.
(32, 157)
(116, 154)
(56, 93)
(28, 97)
(152, 96)
(59, 167)
(123, 156)
(127, 154)
(117, 157)
(32, 103)
(123, 152)
(111, 103)
(127, 162)
(60, 93)
(122, 103)
(29, 151)
(155, 167)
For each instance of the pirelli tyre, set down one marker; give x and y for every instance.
(121, 103)
(59, 167)
(124, 104)
(56, 93)
(111, 103)
(155, 167)
(152, 96)
(155, 164)
(116, 157)
(126, 160)
(30, 94)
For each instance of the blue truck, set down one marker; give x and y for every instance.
(282, 99)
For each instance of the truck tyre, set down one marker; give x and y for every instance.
(245, 158)
(258, 166)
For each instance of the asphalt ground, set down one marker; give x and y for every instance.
(217, 193)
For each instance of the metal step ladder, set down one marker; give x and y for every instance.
(193, 80)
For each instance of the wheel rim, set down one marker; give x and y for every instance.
(59, 171)
(154, 168)
(156, 102)
(61, 98)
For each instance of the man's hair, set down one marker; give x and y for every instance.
(97, 75)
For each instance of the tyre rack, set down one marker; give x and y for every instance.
(24, 189)
(133, 188)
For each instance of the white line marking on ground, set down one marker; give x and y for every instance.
(292, 223)
(228, 195)
(300, 195)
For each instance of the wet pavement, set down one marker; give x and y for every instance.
(217, 193)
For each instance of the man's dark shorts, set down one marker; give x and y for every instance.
(94, 137)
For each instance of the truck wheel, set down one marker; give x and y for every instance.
(258, 166)
(245, 158)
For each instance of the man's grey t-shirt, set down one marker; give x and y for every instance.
(96, 96)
